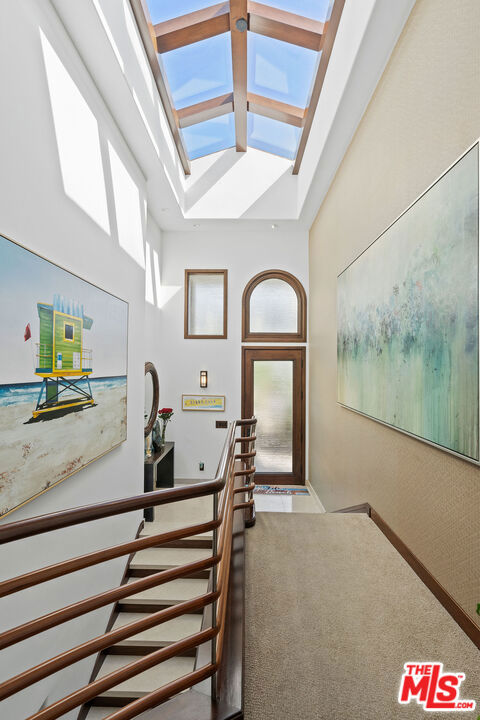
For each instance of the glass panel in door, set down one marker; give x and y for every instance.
(273, 406)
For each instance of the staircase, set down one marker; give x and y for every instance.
(177, 615)
(135, 607)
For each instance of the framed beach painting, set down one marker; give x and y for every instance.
(408, 318)
(63, 374)
(209, 403)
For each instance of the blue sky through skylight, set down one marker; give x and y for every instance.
(276, 70)
(199, 71)
(272, 136)
(279, 70)
(209, 136)
(161, 10)
(315, 9)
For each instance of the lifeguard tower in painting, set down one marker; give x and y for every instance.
(62, 361)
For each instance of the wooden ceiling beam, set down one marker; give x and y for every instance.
(145, 26)
(286, 26)
(238, 27)
(223, 104)
(206, 110)
(191, 28)
(276, 110)
(328, 41)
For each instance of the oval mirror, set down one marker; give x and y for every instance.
(151, 397)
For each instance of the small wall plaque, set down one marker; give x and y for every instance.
(210, 403)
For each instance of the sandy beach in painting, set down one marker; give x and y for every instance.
(37, 455)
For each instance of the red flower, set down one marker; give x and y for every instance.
(165, 411)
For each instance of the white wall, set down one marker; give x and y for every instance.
(244, 254)
(71, 191)
(75, 191)
(154, 341)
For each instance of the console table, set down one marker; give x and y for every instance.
(158, 473)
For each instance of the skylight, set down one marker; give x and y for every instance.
(314, 9)
(279, 70)
(272, 136)
(240, 73)
(162, 10)
(209, 136)
(200, 71)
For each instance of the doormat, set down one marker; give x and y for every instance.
(270, 490)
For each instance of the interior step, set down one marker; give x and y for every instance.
(143, 683)
(186, 512)
(99, 713)
(170, 593)
(204, 540)
(152, 560)
(159, 636)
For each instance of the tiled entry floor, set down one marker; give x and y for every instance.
(192, 510)
(304, 503)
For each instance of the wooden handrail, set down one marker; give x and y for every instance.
(246, 422)
(75, 516)
(245, 488)
(245, 438)
(225, 490)
(156, 697)
(245, 455)
(21, 582)
(247, 471)
(244, 505)
(23, 680)
(222, 604)
(22, 632)
(88, 692)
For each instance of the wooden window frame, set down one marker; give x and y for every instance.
(300, 335)
(186, 334)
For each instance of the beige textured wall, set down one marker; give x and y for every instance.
(424, 113)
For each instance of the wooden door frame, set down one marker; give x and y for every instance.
(298, 459)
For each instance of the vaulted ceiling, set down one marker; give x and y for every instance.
(268, 63)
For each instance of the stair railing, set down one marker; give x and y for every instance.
(225, 487)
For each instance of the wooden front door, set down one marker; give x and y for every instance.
(273, 389)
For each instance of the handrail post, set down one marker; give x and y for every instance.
(250, 514)
(214, 604)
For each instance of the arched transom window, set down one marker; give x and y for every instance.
(274, 308)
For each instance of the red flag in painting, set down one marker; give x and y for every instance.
(28, 333)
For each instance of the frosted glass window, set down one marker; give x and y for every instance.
(205, 304)
(273, 307)
(273, 406)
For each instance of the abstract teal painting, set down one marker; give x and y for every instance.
(408, 316)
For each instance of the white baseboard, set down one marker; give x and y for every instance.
(315, 496)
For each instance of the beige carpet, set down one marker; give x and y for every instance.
(332, 614)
